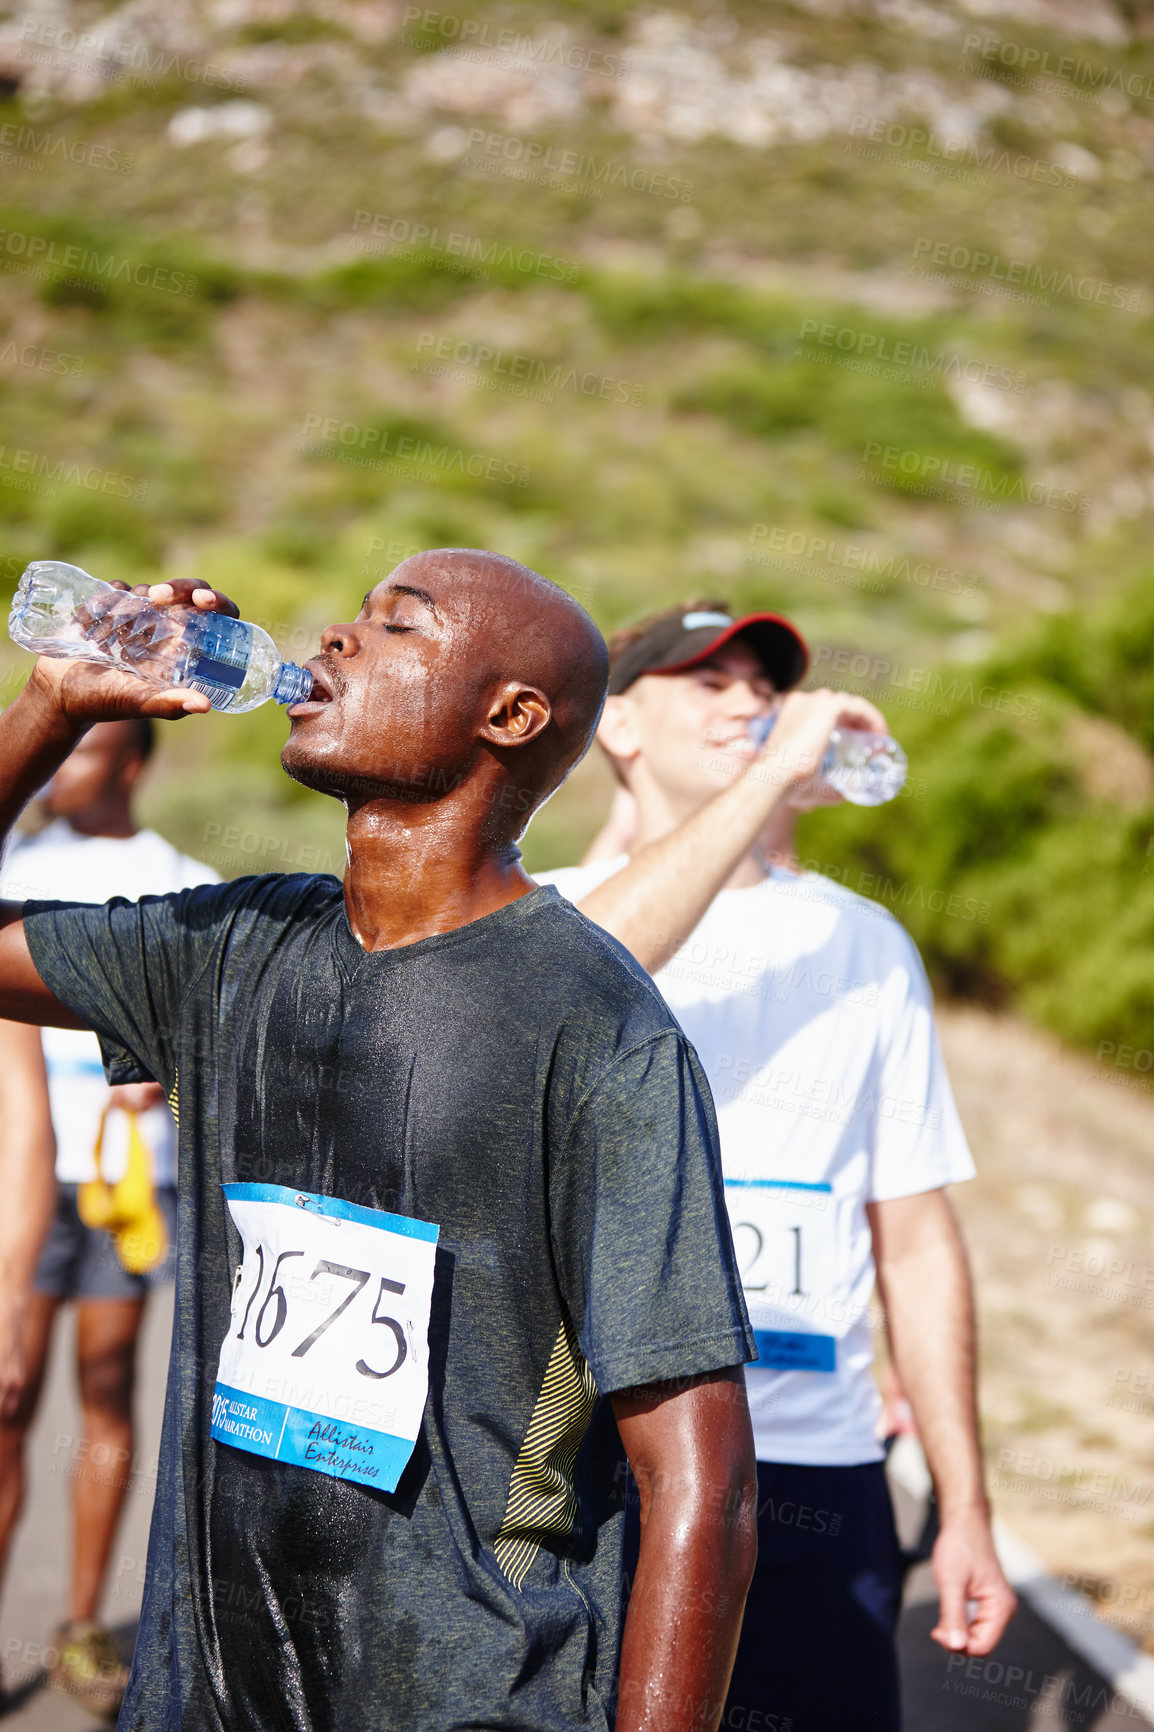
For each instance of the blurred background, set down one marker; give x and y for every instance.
(838, 307)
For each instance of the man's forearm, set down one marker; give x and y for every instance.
(654, 903)
(691, 1450)
(36, 735)
(924, 1280)
(685, 1612)
(66, 695)
(929, 1306)
(35, 738)
(62, 700)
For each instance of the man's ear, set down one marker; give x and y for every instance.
(517, 714)
(130, 769)
(617, 730)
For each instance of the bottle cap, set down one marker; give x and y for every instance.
(292, 685)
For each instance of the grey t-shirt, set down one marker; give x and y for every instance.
(518, 1082)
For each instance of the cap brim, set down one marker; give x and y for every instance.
(778, 645)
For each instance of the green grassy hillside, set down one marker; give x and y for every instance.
(840, 310)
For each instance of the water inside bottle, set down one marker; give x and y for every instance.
(866, 768)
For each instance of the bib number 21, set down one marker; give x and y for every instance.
(325, 1363)
(785, 1239)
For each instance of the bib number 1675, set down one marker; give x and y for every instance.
(325, 1363)
(265, 1329)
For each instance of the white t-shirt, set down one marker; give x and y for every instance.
(59, 864)
(811, 1013)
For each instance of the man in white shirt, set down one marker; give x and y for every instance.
(811, 1013)
(90, 851)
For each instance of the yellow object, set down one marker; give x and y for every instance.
(127, 1209)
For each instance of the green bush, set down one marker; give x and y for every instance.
(160, 295)
(850, 409)
(1105, 658)
(1020, 886)
(104, 528)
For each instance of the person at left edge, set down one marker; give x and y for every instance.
(90, 850)
(437, 1046)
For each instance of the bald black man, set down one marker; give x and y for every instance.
(449, 1178)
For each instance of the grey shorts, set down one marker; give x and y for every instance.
(80, 1262)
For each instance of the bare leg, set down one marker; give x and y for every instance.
(106, 1334)
(18, 1414)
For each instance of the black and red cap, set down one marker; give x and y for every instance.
(685, 636)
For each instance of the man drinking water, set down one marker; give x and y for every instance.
(812, 1015)
(448, 1180)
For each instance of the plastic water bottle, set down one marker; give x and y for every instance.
(58, 610)
(864, 768)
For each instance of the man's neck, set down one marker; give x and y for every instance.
(777, 844)
(658, 816)
(410, 875)
(115, 824)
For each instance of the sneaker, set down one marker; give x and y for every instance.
(88, 1666)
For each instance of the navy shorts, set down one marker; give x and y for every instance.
(80, 1262)
(817, 1646)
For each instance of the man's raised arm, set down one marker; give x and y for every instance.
(653, 904)
(59, 704)
(691, 1450)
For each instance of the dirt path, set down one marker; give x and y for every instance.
(1060, 1224)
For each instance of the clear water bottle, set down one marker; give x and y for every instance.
(58, 610)
(864, 768)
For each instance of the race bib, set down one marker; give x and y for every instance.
(326, 1360)
(785, 1236)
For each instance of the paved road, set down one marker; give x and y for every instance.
(1035, 1684)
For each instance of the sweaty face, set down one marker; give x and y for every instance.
(398, 693)
(693, 727)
